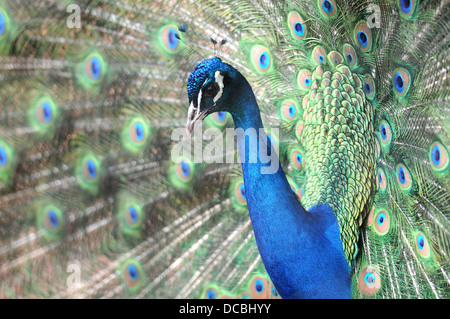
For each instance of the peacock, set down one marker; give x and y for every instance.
(224, 149)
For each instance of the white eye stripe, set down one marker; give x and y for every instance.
(199, 101)
(219, 81)
(199, 98)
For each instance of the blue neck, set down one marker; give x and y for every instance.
(301, 251)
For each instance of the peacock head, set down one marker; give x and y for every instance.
(209, 88)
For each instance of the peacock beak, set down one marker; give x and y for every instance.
(194, 116)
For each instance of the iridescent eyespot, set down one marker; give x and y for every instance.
(184, 170)
(50, 219)
(42, 114)
(261, 58)
(3, 23)
(381, 179)
(404, 177)
(182, 173)
(264, 60)
(90, 169)
(211, 293)
(369, 278)
(369, 281)
(296, 159)
(169, 39)
(7, 162)
(259, 288)
(304, 79)
(88, 172)
(401, 81)
(422, 245)
(350, 55)
(132, 215)
(380, 219)
(93, 68)
(420, 242)
(438, 157)
(296, 26)
(289, 110)
(92, 71)
(238, 195)
(385, 132)
(275, 293)
(335, 58)
(363, 36)
(53, 220)
(382, 222)
(362, 39)
(328, 8)
(319, 55)
(137, 132)
(217, 119)
(220, 117)
(45, 112)
(3, 156)
(132, 274)
(369, 86)
(407, 8)
(172, 40)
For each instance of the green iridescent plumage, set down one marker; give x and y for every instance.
(96, 201)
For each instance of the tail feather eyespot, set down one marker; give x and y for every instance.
(363, 36)
(401, 81)
(407, 8)
(350, 55)
(328, 8)
(296, 26)
(404, 177)
(132, 275)
(261, 58)
(304, 79)
(170, 39)
(289, 110)
(369, 281)
(319, 55)
(438, 157)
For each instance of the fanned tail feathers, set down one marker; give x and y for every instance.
(96, 199)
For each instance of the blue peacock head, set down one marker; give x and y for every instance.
(208, 88)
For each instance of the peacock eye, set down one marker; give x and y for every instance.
(211, 89)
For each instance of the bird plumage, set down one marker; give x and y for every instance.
(98, 199)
